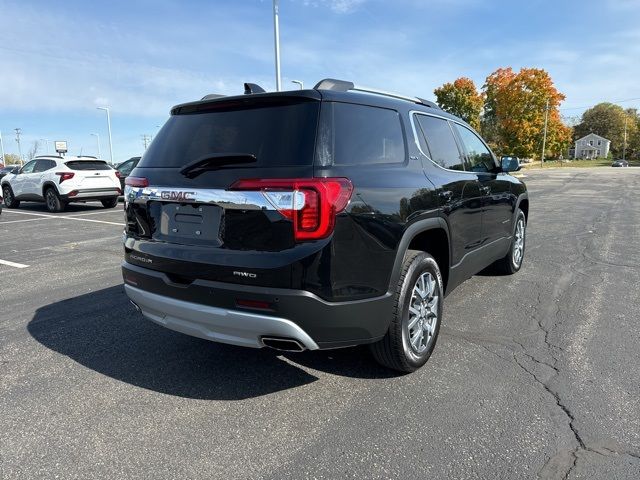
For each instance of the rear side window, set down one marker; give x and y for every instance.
(44, 165)
(277, 134)
(443, 149)
(359, 135)
(87, 165)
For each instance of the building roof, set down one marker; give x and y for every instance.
(593, 135)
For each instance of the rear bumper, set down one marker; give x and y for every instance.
(217, 324)
(209, 310)
(91, 194)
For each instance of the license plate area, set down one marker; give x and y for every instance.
(186, 223)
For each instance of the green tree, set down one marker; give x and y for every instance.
(608, 121)
(514, 113)
(461, 98)
(11, 159)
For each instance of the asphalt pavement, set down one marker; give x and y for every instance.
(534, 375)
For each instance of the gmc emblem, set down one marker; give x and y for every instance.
(177, 196)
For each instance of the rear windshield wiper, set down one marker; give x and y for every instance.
(214, 161)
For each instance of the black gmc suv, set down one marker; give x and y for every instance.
(316, 219)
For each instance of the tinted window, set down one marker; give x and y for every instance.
(43, 165)
(126, 167)
(442, 145)
(28, 168)
(360, 135)
(87, 165)
(275, 133)
(480, 158)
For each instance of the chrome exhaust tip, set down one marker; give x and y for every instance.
(135, 305)
(283, 344)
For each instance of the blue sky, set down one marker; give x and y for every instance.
(59, 60)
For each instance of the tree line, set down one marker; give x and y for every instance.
(510, 109)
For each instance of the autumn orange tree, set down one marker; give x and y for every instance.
(514, 112)
(461, 98)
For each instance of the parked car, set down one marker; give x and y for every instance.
(316, 219)
(620, 163)
(8, 169)
(124, 169)
(58, 181)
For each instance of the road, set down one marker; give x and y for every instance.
(534, 375)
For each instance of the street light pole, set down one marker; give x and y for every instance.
(97, 135)
(544, 136)
(276, 39)
(299, 82)
(106, 109)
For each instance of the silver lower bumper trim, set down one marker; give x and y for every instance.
(216, 324)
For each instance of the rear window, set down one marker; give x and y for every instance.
(353, 134)
(87, 165)
(277, 134)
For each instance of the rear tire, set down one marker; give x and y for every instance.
(53, 201)
(9, 200)
(512, 262)
(417, 315)
(111, 203)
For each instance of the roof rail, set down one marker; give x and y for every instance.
(87, 156)
(212, 96)
(345, 86)
(48, 156)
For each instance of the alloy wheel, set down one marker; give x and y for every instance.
(423, 313)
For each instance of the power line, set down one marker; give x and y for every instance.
(589, 106)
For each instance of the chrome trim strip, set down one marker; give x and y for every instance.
(413, 113)
(229, 199)
(217, 324)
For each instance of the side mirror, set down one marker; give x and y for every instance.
(16, 170)
(510, 164)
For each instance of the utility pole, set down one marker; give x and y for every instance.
(624, 144)
(18, 133)
(544, 136)
(276, 39)
(2, 148)
(146, 140)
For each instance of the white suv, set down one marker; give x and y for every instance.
(60, 180)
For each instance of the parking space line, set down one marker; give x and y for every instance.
(27, 220)
(66, 217)
(95, 213)
(13, 264)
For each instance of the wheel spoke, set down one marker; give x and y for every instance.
(417, 339)
(413, 321)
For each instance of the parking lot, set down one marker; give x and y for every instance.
(533, 375)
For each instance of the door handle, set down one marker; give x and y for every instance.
(447, 195)
(485, 190)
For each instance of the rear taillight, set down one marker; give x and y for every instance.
(65, 176)
(119, 175)
(136, 182)
(311, 204)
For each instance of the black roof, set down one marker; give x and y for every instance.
(340, 94)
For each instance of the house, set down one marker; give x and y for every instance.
(592, 146)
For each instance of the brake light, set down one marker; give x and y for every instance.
(65, 176)
(311, 204)
(137, 182)
(119, 175)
